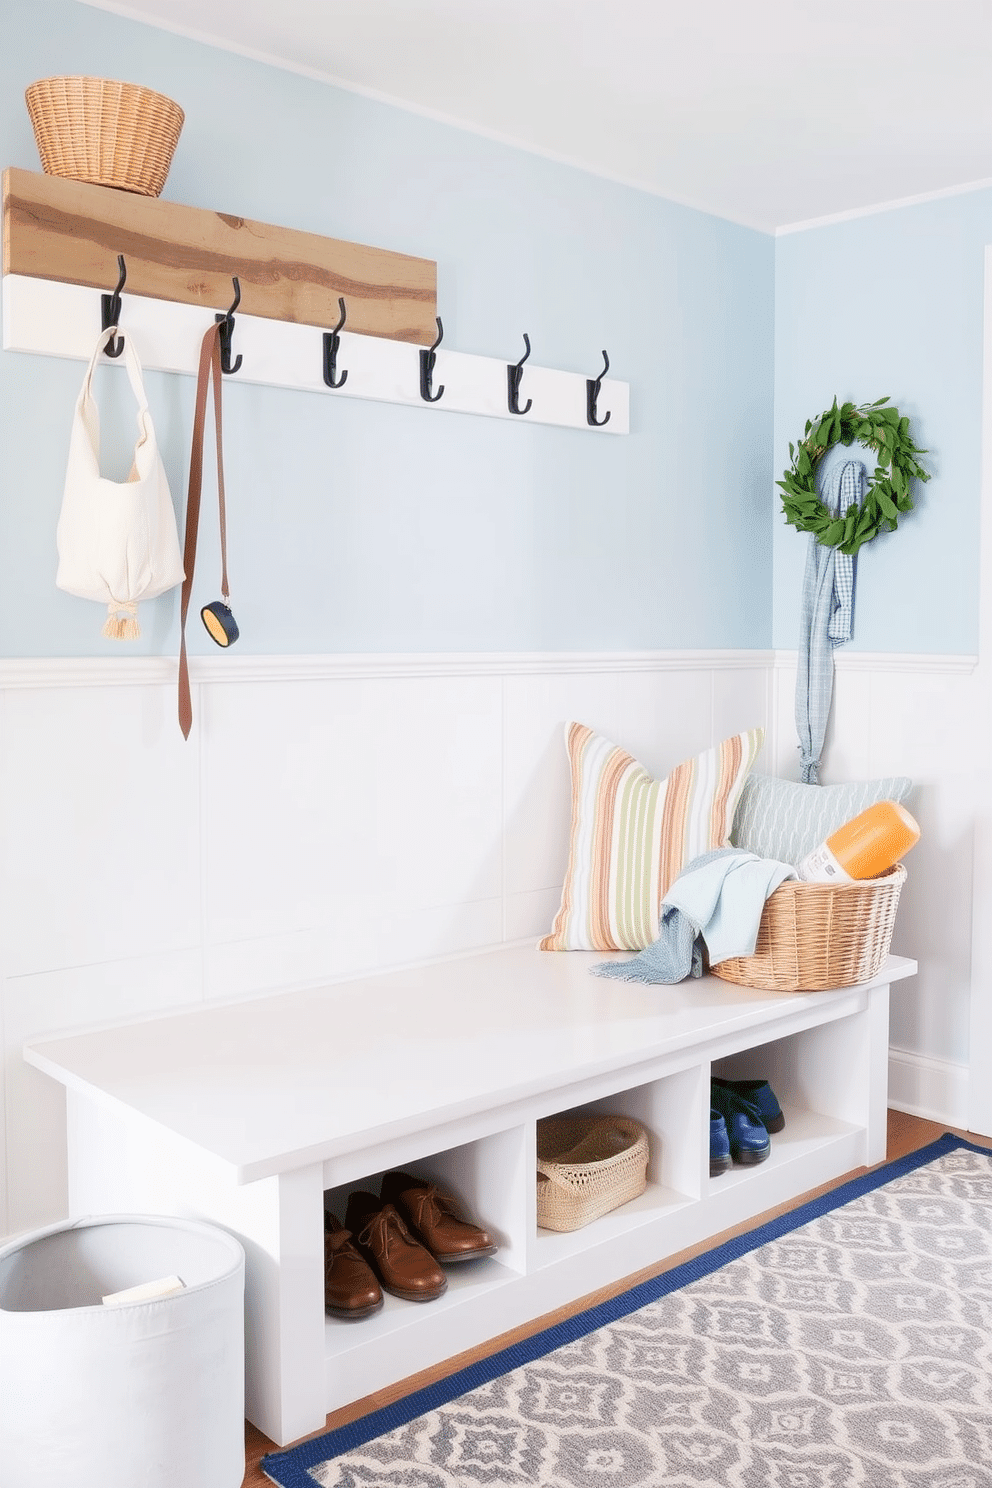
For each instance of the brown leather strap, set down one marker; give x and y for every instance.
(225, 592)
(209, 366)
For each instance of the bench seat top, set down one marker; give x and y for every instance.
(275, 1082)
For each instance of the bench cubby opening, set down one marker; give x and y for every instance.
(485, 1179)
(669, 1110)
(823, 1070)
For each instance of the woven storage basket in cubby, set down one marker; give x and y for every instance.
(106, 133)
(813, 936)
(586, 1166)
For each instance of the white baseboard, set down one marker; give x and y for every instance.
(934, 1089)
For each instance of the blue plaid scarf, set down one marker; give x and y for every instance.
(826, 620)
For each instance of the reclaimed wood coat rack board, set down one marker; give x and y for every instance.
(71, 232)
(62, 241)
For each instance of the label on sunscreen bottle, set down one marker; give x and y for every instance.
(820, 866)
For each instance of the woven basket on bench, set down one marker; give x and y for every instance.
(813, 937)
(586, 1166)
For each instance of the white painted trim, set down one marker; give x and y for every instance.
(63, 320)
(896, 205)
(889, 661)
(87, 671)
(152, 671)
(980, 1033)
(935, 1089)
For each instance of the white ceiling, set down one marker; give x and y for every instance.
(771, 112)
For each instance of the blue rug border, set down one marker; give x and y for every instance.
(293, 1463)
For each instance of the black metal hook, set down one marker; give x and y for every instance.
(226, 323)
(428, 356)
(592, 397)
(332, 340)
(514, 372)
(110, 307)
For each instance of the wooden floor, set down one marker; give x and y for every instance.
(905, 1134)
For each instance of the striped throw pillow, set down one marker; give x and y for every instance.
(631, 835)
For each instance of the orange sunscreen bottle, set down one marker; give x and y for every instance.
(864, 847)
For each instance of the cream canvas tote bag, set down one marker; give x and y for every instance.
(117, 540)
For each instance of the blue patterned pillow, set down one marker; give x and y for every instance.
(785, 820)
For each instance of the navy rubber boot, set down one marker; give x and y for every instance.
(760, 1094)
(747, 1133)
(720, 1160)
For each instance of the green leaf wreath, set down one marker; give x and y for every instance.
(877, 427)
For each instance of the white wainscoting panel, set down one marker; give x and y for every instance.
(100, 853)
(661, 729)
(332, 815)
(741, 700)
(71, 999)
(537, 789)
(348, 947)
(333, 818)
(328, 815)
(913, 715)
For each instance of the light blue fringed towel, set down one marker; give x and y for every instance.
(718, 897)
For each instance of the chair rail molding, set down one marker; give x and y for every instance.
(151, 671)
(950, 663)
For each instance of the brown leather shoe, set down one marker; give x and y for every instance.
(403, 1267)
(433, 1216)
(350, 1288)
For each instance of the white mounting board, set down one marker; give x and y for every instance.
(63, 320)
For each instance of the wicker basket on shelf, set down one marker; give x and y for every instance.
(814, 936)
(107, 133)
(586, 1166)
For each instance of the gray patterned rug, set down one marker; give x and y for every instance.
(845, 1345)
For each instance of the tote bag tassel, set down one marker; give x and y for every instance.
(121, 623)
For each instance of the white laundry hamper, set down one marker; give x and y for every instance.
(147, 1394)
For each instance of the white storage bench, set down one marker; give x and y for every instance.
(245, 1114)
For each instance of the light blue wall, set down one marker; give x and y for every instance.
(363, 527)
(892, 304)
